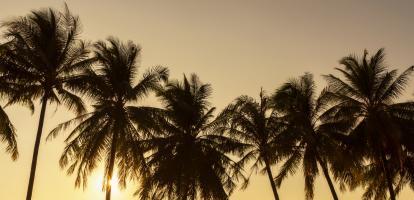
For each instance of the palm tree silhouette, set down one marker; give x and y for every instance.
(306, 135)
(367, 95)
(42, 60)
(187, 155)
(108, 132)
(256, 125)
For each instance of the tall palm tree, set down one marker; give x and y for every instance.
(255, 124)
(306, 135)
(42, 60)
(108, 132)
(367, 95)
(187, 157)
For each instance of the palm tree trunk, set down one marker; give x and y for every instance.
(272, 182)
(111, 167)
(328, 179)
(36, 149)
(388, 176)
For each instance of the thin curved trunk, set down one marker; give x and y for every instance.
(272, 182)
(111, 167)
(388, 176)
(36, 149)
(328, 178)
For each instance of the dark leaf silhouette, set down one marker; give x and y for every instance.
(109, 132)
(43, 60)
(187, 155)
(382, 127)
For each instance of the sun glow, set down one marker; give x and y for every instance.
(115, 190)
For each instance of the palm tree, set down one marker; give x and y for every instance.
(43, 60)
(307, 136)
(256, 125)
(186, 155)
(108, 132)
(367, 95)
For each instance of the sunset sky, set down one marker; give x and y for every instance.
(238, 46)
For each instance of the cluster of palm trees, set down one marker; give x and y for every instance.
(355, 131)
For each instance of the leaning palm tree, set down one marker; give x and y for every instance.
(255, 124)
(306, 135)
(109, 132)
(186, 156)
(381, 134)
(42, 60)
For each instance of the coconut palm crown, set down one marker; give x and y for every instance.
(109, 132)
(255, 123)
(187, 156)
(43, 59)
(307, 134)
(367, 93)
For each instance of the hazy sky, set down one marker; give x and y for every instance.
(237, 46)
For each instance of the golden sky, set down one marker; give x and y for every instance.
(237, 46)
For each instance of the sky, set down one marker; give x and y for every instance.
(238, 46)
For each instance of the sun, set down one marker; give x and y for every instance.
(115, 191)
